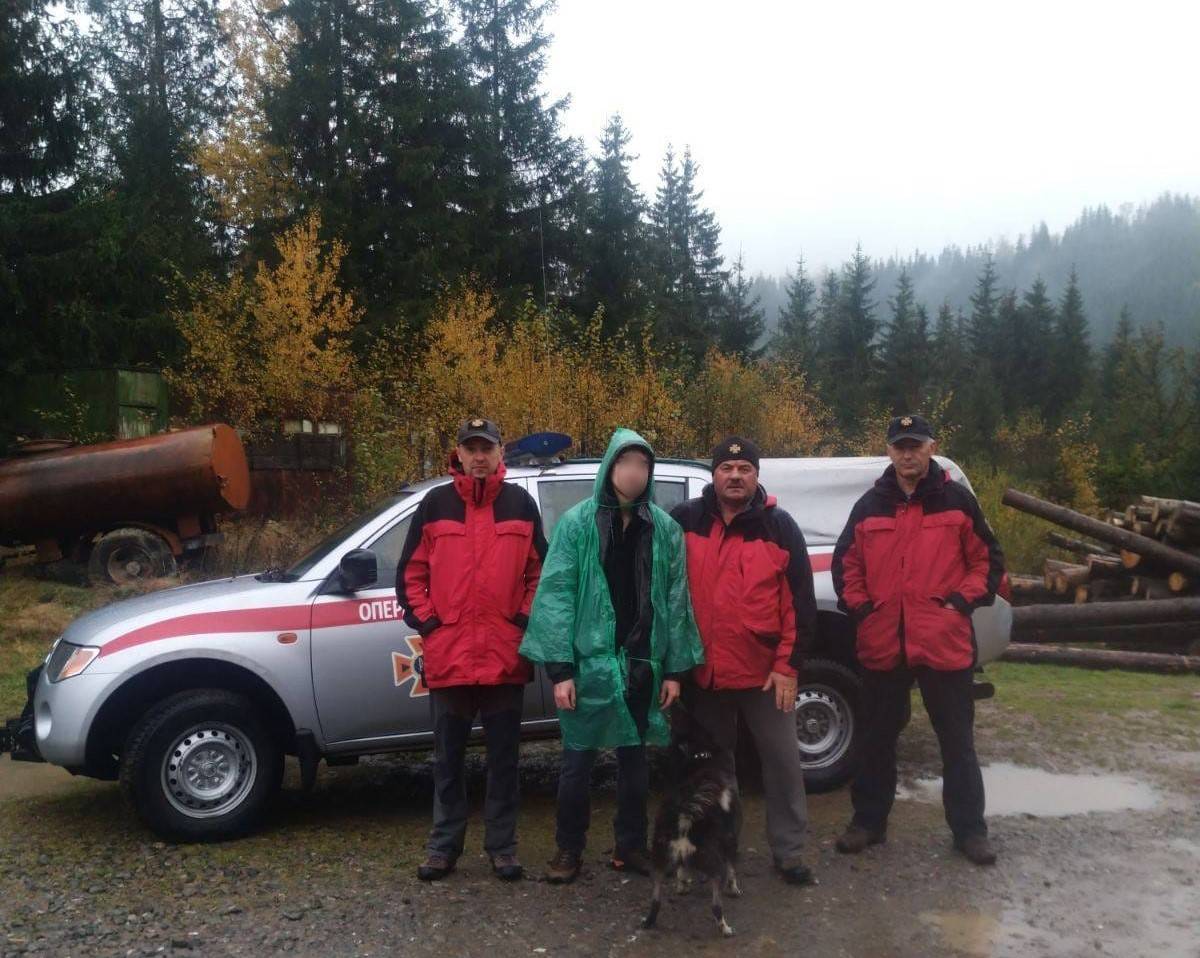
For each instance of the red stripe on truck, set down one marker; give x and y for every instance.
(282, 618)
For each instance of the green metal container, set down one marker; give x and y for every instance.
(92, 404)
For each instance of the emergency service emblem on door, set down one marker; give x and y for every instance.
(407, 668)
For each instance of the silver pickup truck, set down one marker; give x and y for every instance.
(192, 696)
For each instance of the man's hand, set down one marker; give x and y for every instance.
(668, 693)
(785, 690)
(564, 695)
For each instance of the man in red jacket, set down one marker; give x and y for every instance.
(466, 580)
(752, 594)
(915, 560)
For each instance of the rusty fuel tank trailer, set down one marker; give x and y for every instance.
(130, 508)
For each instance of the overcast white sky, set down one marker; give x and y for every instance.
(901, 124)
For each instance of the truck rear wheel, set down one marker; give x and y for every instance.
(201, 765)
(827, 725)
(126, 555)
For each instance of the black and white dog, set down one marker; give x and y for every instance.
(701, 816)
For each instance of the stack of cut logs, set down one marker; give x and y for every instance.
(1105, 571)
(1134, 578)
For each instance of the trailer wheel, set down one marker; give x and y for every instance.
(126, 555)
(201, 766)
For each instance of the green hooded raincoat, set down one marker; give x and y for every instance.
(572, 619)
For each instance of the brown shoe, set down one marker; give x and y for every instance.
(978, 849)
(563, 867)
(436, 866)
(507, 868)
(856, 839)
(631, 860)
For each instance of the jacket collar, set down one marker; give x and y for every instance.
(477, 492)
(755, 511)
(889, 486)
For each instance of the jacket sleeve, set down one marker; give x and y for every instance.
(412, 577)
(849, 570)
(533, 563)
(798, 600)
(550, 635)
(684, 649)
(984, 560)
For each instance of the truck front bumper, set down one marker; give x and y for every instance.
(18, 737)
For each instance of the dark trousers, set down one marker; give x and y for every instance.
(951, 709)
(575, 798)
(454, 710)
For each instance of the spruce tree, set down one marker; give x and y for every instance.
(46, 109)
(853, 354)
(524, 171)
(165, 92)
(740, 326)
(613, 261)
(795, 336)
(369, 114)
(904, 356)
(982, 328)
(1071, 357)
(690, 285)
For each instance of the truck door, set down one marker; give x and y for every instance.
(366, 661)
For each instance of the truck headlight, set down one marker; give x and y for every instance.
(67, 660)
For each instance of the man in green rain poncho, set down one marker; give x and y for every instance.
(612, 621)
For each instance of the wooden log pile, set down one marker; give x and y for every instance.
(1134, 573)
(1149, 551)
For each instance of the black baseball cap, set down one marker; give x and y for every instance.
(478, 428)
(909, 427)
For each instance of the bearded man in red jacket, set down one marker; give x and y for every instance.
(466, 579)
(915, 560)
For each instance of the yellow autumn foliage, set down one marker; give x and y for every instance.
(273, 348)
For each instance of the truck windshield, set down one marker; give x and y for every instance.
(318, 552)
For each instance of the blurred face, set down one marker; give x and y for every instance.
(480, 457)
(631, 474)
(735, 481)
(911, 457)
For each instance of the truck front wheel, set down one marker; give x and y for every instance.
(201, 765)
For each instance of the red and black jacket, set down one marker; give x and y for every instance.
(467, 575)
(752, 590)
(900, 560)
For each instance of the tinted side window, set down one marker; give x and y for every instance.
(387, 549)
(557, 496)
(668, 493)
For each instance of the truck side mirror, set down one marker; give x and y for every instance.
(358, 569)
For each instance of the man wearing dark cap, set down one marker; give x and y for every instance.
(752, 591)
(915, 560)
(467, 577)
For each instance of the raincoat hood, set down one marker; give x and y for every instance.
(602, 491)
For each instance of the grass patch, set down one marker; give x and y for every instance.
(1071, 699)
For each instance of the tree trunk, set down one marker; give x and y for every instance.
(1107, 613)
(1105, 567)
(1104, 659)
(1078, 546)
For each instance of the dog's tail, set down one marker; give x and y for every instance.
(655, 901)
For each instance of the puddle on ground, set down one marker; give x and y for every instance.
(965, 932)
(1017, 790)
(35, 780)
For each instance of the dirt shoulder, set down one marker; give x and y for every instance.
(332, 874)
